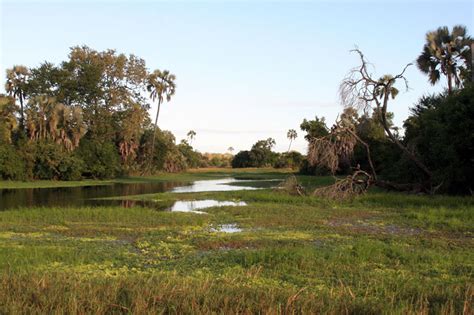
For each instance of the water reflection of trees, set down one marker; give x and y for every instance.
(83, 196)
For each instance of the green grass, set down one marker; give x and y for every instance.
(382, 253)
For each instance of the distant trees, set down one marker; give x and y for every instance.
(447, 53)
(262, 155)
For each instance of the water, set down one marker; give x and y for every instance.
(224, 184)
(90, 195)
(79, 196)
(227, 228)
(195, 205)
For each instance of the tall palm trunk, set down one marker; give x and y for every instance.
(450, 84)
(289, 147)
(154, 132)
(22, 113)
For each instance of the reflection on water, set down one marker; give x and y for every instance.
(227, 228)
(194, 205)
(91, 195)
(78, 196)
(224, 184)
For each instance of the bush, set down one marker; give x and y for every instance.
(441, 130)
(291, 159)
(193, 158)
(175, 162)
(53, 162)
(12, 165)
(101, 159)
(243, 159)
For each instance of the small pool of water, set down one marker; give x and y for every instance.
(227, 228)
(223, 184)
(195, 205)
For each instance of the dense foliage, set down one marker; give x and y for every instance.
(441, 128)
(86, 117)
(440, 131)
(261, 155)
(434, 152)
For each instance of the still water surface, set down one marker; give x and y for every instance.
(90, 195)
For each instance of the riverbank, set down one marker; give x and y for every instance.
(381, 253)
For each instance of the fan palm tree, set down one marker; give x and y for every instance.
(17, 78)
(191, 134)
(131, 126)
(446, 53)
(230, 149)
(47, 119)
(291, 134)
(160, 85)
(8, 121)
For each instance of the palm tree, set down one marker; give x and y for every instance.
(191, 134)
(160, 85)
(8, 121)
(446, 53)
(230, 149)
(291, 134)
(131, 126)
(17, 78)
(47, 119)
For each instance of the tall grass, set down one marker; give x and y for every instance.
(381, 253)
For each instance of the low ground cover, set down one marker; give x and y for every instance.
(380, 253)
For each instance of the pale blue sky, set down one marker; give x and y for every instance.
(246, 70)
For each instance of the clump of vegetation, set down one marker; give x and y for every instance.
(291, 186)
(262, 155)
(426, 159)
(347, 188)
(87, 117)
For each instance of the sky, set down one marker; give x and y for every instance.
(246, 70)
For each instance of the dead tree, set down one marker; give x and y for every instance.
(360, 90)
(329, 150)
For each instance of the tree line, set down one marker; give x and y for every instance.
(433, 153)
(87, 118)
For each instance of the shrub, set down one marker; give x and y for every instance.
(101, 159)
(441, 129)
(243, 159)
(291, 159)
(12, 165)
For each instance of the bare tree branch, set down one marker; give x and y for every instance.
(360, 90)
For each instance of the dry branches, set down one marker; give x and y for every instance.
(291, 186)
(339, 144)
(347, 188)
(360, 90)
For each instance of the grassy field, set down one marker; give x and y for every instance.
(382, 253)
